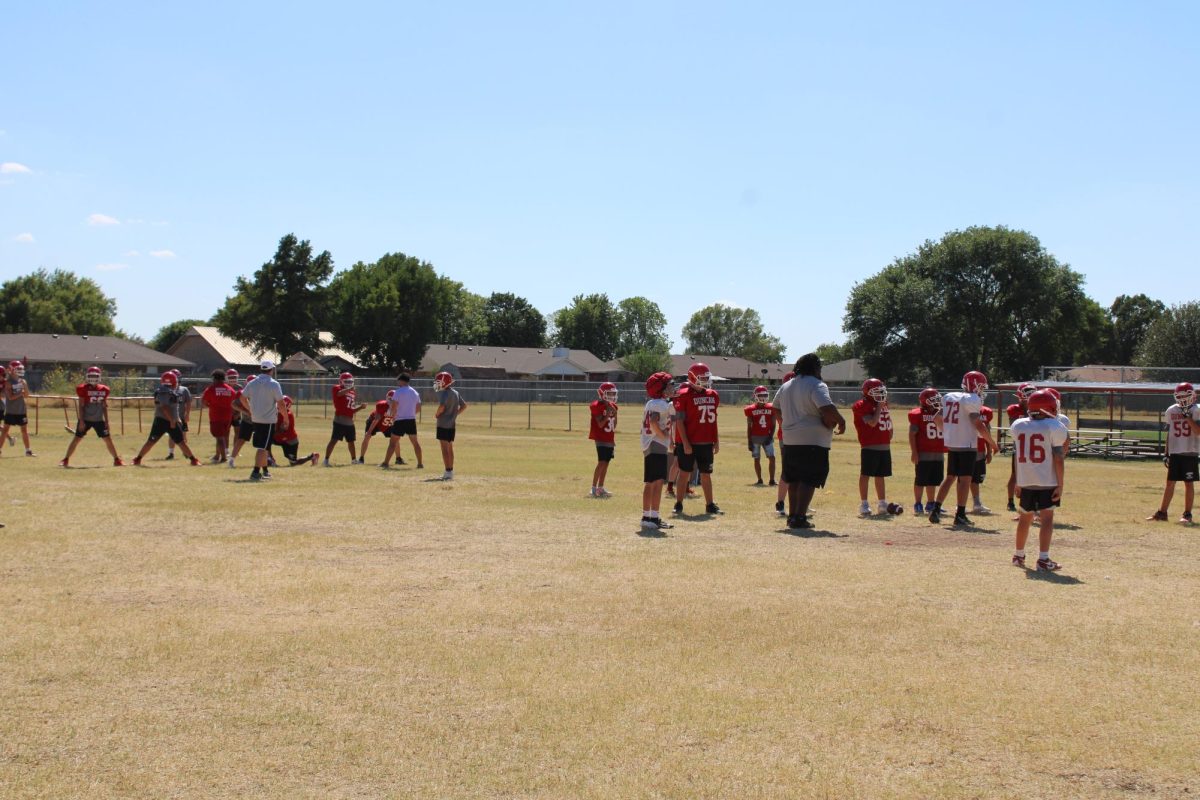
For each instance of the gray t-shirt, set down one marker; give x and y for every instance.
(263, 394)
(185, 401)
(799, 402)
(16, 403)
(452, 402)
(166, 402)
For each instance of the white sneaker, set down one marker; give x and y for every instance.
(980, 508)
(327, 464)
(881, 507)
(231, 462)
(447, 475)
(864, 509)
(603, 493)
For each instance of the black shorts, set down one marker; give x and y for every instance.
(19, 420)
(100, 427)
(701, 458)
(605, 452)
(290, 449)
(263, 432)
(1037, 499)
(445, 434)
(245, 430)
(1182, 468)
(930, 473)
(960, 462)
(404, 427)
(342, 433)
(875, 463)
(161, 426)
(980, 470)
(805, 464)
(654, 467)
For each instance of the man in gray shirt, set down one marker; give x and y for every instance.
(450, 405)
(808, 419)
(262, 399)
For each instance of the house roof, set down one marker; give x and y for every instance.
(849, 371)
(57, 348)
(730, 368)
(234, 352)
(1099, 373)
(514, 360)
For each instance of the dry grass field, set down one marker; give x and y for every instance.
(174, 632)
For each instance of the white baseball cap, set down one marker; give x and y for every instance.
(267, 365)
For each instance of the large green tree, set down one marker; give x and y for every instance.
(1132, 316)
(591, 323)
(168, 334)
(1172, 340)
(728, 331)
(386, 313)
(642, 326)
(832, 353)
(644, 363)
(282, 307)
(513, 322)
(56, 302)
(461, 318)
(982, 298)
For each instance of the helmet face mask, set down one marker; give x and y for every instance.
(1185, 394)
(874, 389)
(93, 376)
(607, 392)
(931, 399)
(16, 368)
(346, 380)
(442, 381)
(1024, 391)
(700, 375)
(761, 395)
(231, 377)
(975, 382)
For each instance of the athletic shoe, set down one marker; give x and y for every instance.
(419, 466)
(918, 508)
(649, 524)
(1157, 516)
(448, 475)
(327, 463)
(895, 509)
(231, 462)
(1012, 506)
(63, 463)
(962, 519)
(758, 482)
(170, 456)
(254, 476)
(881, 507)
(1048, 565)
(118, 462)
(712, 508)
(864, 509)
(1186, 518)
(385, 465)
(670, 490)
(798, 523)
(980, 508)
(662, 524)
(137, 461)
(678, 508)
(195, 462)
(215, 459)
(1018, 561)
(313, 458)
(31, 454)
(603, 493)
(772, 483)
(935, 514)
(266, 475)
(779, 508)
(400, 462)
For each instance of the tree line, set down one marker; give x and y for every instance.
(986, 297)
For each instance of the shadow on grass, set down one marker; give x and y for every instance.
(436, 480)
(813, 533)
(1066, 526)
(92, 466)
(246, 480)
(1052, 577)
(646, 533)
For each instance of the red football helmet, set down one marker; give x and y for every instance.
(975, 382)
(231, 376)
(700, 375)
(391, 393)
(1043, 403)
(177, 373)
(761, 395)
(930, 399)
(875, 390)
(287, 401)
(657, 385)
(169, 379)
(442, 381)
(1024, 391)
(16, 368)
(788, 376)
(607, 392)
(346, 380)
(1185, 394)
(93, 375)
(250, 378)
(1057, 398)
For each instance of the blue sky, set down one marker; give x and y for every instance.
(767, 155)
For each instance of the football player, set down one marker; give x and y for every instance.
(15, 392)
(218, 398)
(603, 431)
(1038, 440)
(345, 406)
(185, 412)
(983, 457)
(1016, 411)
(166, 420)
(696, 425)
(450, 405)
(288, 438)
(379, 421)
(962, 426)
(926, 447)
(760, 433)
(92, 414)
(245, 427)
(1183, 452)
(658, 417)
(873, 423)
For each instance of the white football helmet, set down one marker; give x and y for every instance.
(93, 375)
(761, 395)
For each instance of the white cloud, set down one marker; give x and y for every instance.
(102, 219)
(24, 238)
(130, 254)
(162, 254)
(111, 267)
(13, 168)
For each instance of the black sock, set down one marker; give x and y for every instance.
(962, 511)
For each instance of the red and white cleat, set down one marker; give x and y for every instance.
(1018, 561)
(1048, 565)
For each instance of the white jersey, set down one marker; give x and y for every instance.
(665, 411)
(958, 428)
(1035, 443)
(1183, 430)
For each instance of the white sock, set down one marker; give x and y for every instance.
(645, 513)
(653, 514)
(1044, 556)
(1019, 553)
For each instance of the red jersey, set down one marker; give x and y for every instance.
(219, 398)
(343, 404)
(986, 415)
(929, 433)
(872, 435)
(604, 423)
(380, 413)
(760, 419)
(699, 410)
(91, 401)
(1015, 412)
(281, 436)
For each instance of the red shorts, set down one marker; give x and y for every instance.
(219, 428)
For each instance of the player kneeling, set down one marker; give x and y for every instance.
(1039, 440)
(289, 440)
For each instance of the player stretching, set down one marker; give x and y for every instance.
(873, 423)
(696, 419)
(1182, 458)
(288, 439)
(92, 414)
(1038, 440)
(657, 420)
(379, 421)
(16, 390)
(344, 409)
(166, 420)
(760, 432)
(962, 426)
(927, 447)
(603, 431)
(1016, 411)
